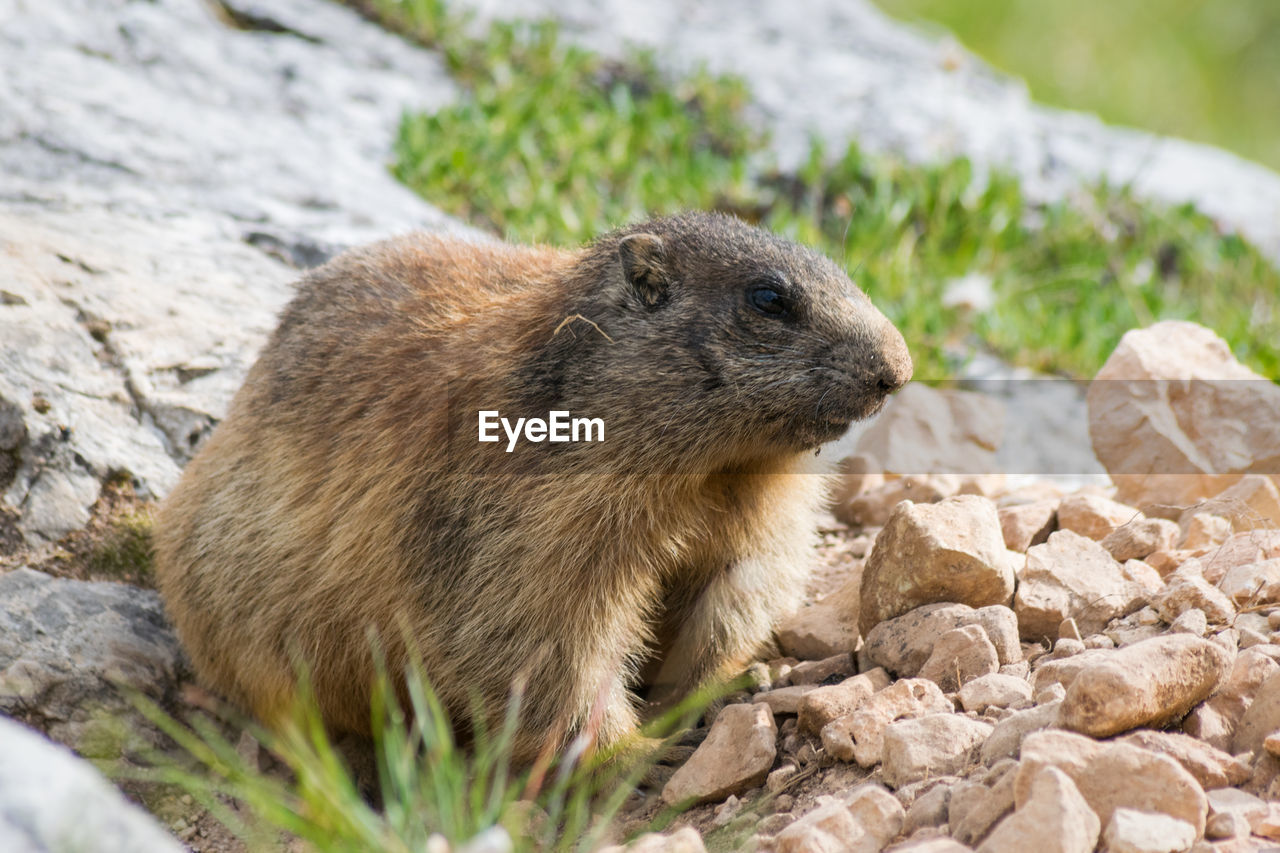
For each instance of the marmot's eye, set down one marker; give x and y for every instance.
(766, 300)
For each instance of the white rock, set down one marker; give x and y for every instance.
(1053, 819)
(50, 800)
(1132, 831)
(1001, 691)
(1071, 576)
(931, 745)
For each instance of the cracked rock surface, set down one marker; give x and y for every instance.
(165, 169)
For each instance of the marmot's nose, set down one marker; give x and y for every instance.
(896, 367)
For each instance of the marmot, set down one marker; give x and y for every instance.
(347, 491)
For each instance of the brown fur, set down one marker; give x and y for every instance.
(346, 490)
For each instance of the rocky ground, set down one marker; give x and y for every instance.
(986, 662)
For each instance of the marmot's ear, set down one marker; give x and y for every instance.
(644, 266)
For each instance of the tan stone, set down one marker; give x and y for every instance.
(736, 756)
(1141, 573)
(1253, 501)
(824, 704)
(824, 629)
(878, 813)
(961, 655)
(683, 840)
(1187, 588)
(952, 551)
(1131, 831)
(830, 828)
(873, 507)
(1114, 775)
(1250, 546)
(1214, 722)
(1071, 576)
(1211, 767)
(1205, 530)
(855, 475)
(1155, 406)
(903, 645)
(931, 745)
(1006, 738)
(979, 803)
(1093, 516)
(1024, 525)
(1064, 671)
(995, 690)
(1140, 538)
(1253, 583)
(1054, 818)
(784, 700)
(859, 736)
(1260, 718)
(1149, 683)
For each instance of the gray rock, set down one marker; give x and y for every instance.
(162, 173)
(65, 645)
(52, 801)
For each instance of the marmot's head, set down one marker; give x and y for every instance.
(731, 330)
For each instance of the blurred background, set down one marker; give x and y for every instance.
(1206, 70)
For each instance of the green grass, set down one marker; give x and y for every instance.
(1193, 68)
(553, 143)
(429, 784)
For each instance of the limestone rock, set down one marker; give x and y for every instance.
(1204, 530)
(1067, 751)
(858, 822)
(1245, 807)
(683, 840)
(1174, 418)
(1260, 718)
(859, 736)
(65, 644)
(50, 800)
(1071, 576)
(995, 690)
(1063, 671)
(1253, 583)
(979, 802)
(903, 645)
(1124, 776)
(878, 813)
(826, 628)
(1024, 525)
(1131, 831)
(1149, 683)
(1250, 546)
(1211, 767)
(1215, 721)
(1140, 538)
(1053, 819)
(1006, 738)
(961, 655)
(1187, 588)
(737, 755)
(951, 551)
(1093, 516)
(873, 507)
(1253, 501)
(824, 704)
(930, 745)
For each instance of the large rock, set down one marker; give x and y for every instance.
(828, 627)
(949, 551)
(1113, 776)
(164, 173)
(736, 755)
(1054, 819)
(824, 704)
(933, 745)
(1072, 577)
(52, 801)
(1093, 515)
(903, 645)
(1174, 418)
(961, 655)
(1215, 721)
(66, 645)
(1260, 718)
(1212, 768)
(1149, 683)
(1133, 831)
